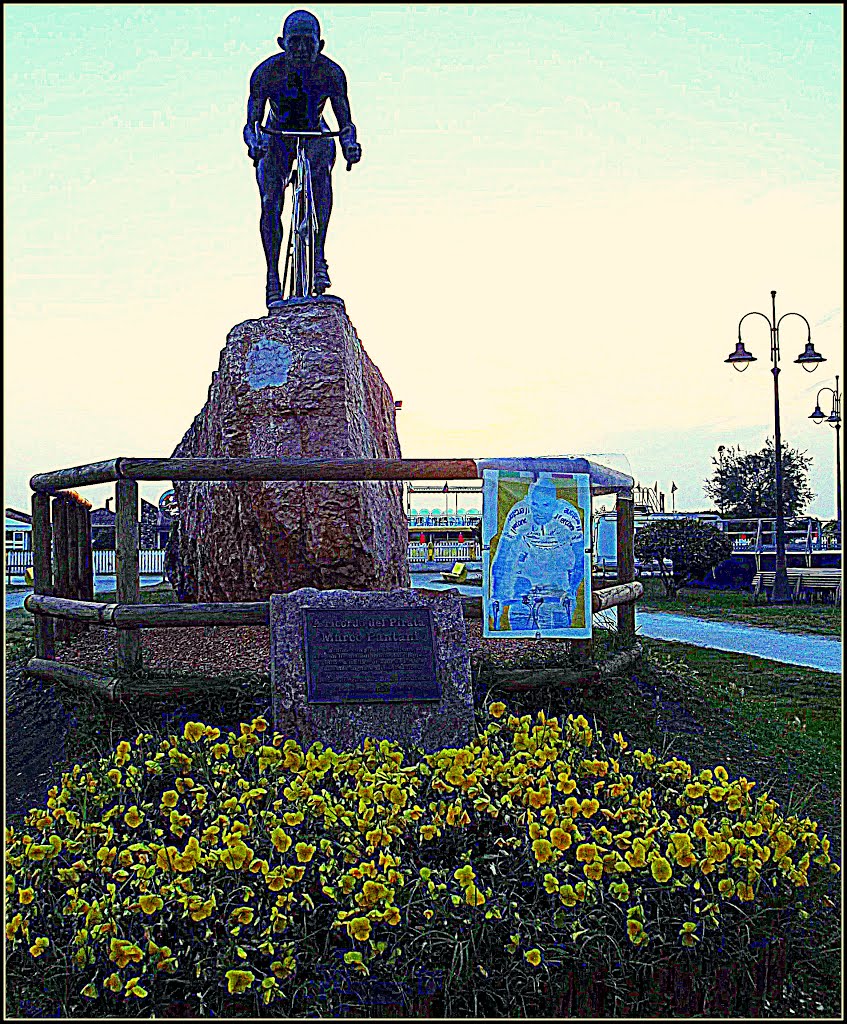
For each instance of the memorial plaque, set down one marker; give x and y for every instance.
(369, 655)
(348, 665)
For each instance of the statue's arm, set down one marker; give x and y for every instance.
(256, 103)
(341, 108)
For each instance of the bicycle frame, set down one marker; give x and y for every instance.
(303, 229)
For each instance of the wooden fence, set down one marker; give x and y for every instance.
(66, 596)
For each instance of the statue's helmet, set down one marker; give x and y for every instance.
(301, 23)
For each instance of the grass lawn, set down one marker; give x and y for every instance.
(823, 619)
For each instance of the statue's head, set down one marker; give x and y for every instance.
(301, 38)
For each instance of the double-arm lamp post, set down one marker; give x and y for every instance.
(834, 420)
(809, 359)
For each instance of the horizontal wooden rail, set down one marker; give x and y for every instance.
(236, 613)
(256, 469)
(622, 593)
(57, 672)
(76, 476)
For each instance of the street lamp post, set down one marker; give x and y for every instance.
(808, 359)
(834, 420)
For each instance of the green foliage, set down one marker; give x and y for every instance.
(743, 485)
(695, 548)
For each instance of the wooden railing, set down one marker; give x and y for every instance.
(54, 602)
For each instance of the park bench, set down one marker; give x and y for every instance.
(763, 582)
(803, 581)
(821, 582)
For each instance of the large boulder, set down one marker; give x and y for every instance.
(296, 384)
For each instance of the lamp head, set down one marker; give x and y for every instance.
(809, 359)
(833, 419)
(817, 415)
(740, 358)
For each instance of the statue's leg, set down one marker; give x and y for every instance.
(271, 176)
(322, 159)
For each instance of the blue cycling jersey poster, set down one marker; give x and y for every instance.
(536, 555)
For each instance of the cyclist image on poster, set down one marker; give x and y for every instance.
(538, 566)
(296, 84)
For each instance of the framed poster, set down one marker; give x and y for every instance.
(536, 555)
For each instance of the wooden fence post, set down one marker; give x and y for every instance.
(86, 564)
(126, 571)
(626, 561)
(60, 547)
(42, 572)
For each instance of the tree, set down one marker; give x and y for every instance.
(694, 548)
(743, 485)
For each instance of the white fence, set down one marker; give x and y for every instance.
(446, 551)
(151, 562)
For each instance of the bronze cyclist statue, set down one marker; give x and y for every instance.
(296, 84)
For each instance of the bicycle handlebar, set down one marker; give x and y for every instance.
(299, 135)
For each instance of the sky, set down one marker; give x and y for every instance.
(560, 216)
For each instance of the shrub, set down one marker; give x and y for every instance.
(694, 548)
(216, 869)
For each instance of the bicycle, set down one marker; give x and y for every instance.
(300, 250)
(533, 599)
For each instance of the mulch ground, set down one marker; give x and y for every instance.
(224, 649)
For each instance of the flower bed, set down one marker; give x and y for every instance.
(541, 869)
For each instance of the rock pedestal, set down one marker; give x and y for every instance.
(298, 385)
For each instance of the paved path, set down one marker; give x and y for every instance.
(820, 652)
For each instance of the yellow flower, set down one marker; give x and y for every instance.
(533, 956)
(660, 869)
(114, 983)
(717, 793)
(721, 773)
(687, 932)
(122, 753)
(304, 852)
(122, 952)
(150, 904)
(428, 831)
(726, 887)
(236, 856)
(40, 944)
(293, 818)
(281, 840)
(586, 852)
(589, 807)
(560, 839)
(133, 817)
(239, 981)
(392, 916)
(695, 790)
(497, 709)
(543, 850)
(594, 871)
(242, 915)
(115, 776)
(90, 991)
(194, 731)
(744, 892)
(473, 896)
(26, 895)
(700, 829)
(359, 928)
(198, 910)
(134, 989)
(465, 875)
(170, 798)
(551, 883)
(634, 929)
(620, 890)
(211, 733)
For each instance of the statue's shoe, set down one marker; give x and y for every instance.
(322, 281)
(273, 295)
